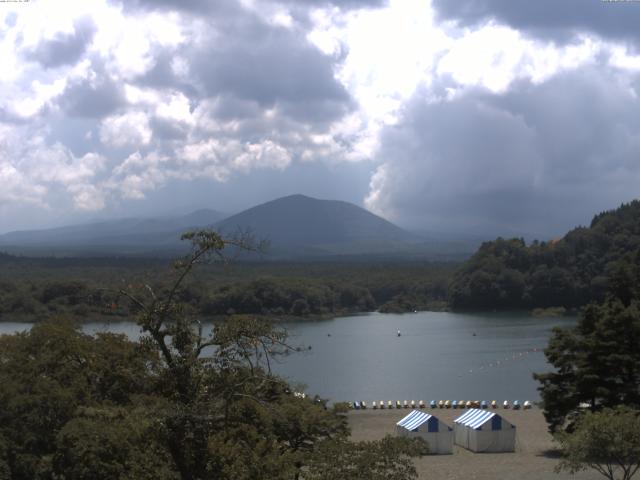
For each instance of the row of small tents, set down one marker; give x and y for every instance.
(476, 430)
(441, 404)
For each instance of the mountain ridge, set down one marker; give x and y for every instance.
(297, 227)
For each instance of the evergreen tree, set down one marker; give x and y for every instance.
(597, 363)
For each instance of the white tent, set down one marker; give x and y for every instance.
(438, 435)
(484, 431)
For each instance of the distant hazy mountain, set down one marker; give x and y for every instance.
(123, 236)
(299, 225)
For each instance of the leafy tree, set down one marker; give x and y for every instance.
(178, 404)
(607, 442)
(47, 374)
(597, 363)
(388, 459)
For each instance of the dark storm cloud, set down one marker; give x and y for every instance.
(554, 19)
(92, 98)
(541, 158)
(268, 65)
(64, 49)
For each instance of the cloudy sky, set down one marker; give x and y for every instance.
(505, 116)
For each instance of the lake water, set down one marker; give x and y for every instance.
(437, 355)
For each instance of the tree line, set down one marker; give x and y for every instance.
(569, 272)
(88, 290)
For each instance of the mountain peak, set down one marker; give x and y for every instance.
(297, 220)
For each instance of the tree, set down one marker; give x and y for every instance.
(48, 374)
(607, 441)
(597, 363)
(178, 404)
(388, 459)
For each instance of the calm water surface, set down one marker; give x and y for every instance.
(437, 355)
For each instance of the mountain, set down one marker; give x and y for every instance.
(299, 225)
(122, 236)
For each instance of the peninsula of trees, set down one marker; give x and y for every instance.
(569, 272)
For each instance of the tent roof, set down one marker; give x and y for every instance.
(474, 418)
(414, 420)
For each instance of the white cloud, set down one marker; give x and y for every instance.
(128, 129)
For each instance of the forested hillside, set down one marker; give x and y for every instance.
(569, 272)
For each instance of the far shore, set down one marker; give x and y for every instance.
(535, 457)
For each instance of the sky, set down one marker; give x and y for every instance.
(501, 117)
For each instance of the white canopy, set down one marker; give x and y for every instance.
(438, 435)
(484, 431)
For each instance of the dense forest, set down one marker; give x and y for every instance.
(33, 289)
(569, 272)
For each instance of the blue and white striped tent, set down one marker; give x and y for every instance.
(438, 435)
(484, 431)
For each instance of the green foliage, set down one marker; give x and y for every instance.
(111, 443)
(607, 441)
(569, 272)
(48, 374)
(387, 459)
(597, 363)
(81, 407)
(35, 289)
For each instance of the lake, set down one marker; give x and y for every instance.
(437, 355)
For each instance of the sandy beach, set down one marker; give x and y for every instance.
(534, 458)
